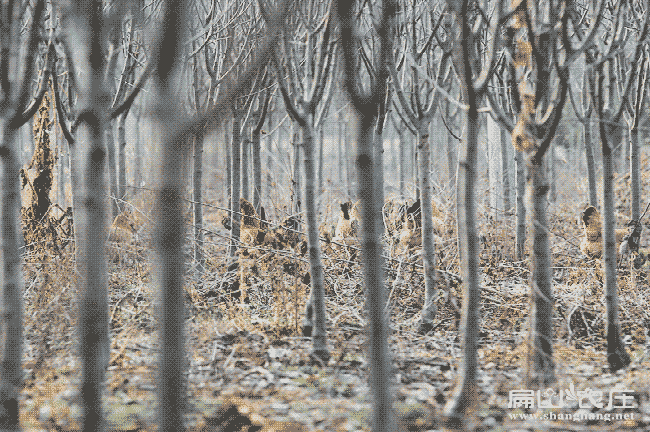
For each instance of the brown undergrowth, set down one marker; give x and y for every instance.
(249, 367)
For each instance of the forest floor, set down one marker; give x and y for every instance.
(250, 369)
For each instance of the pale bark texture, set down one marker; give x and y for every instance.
(472, 89)
(137, 154)
(235, 180)
(506, 158)
(495, 174)
(303, 94)
(94, 344)
(109, 139)
(611, 101)
(591, 165)
(419, 111)
(121, 153)
(170, 230)
(520, 237)
(365, 105)
(245, 165)
(197, 198)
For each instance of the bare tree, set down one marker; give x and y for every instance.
(365, 104)
(583, 111)
(539, 86)
(17, 108)
(302, 90)
(419, 111)
(466, 55)
(614, 43)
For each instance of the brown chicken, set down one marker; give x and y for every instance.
(592, 243)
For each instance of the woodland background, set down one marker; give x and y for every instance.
(322, 215)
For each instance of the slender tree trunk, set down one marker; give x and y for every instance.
(236, 183)
(295, 193)
(257, 169)
(228, 146)
(466, 391)
(635, 174)
(625, 149)
(170, 236)
(428, 245)
(339, 153)
(380, 369)
(521, 206)
(378, 144)
(58, 144)
(112, 168)
(245, 164)
(541, 367)
(269, 159)
(591, 165)
(552, 171)
(505, 164)
(416, 166)
(94, 342)
(617, 356)
(346, 163)
(316, 305)
(321, 143)
(137, 168)
(197, 190)
(12, 284)
(121, 139)
(495, 176)
(402, 163)
(452, 162)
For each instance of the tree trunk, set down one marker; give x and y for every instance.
(315, 311)
(635, 174)
(541, 367)
(339, 153)
(235, 217)
(112, 168)
(170, 237)
(269, 158)
(617, 356)
(415, 168)
(591, 166)
(257, 169)
(94, 342)
(121, 139)
(495, 176)
(346, 163)
(380, 369)
(12, 289)
(506, 149)
(245, 164)
(295, 192)
(428, 245)
(466, 391)
(321, 143)
(452, 162)
(520, 248)
(552, 170)
(228, 145)
(197, 190)
(402, 163)
(378, 144)
(137, 168)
